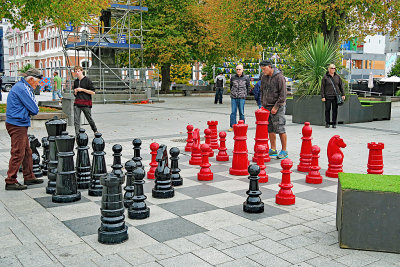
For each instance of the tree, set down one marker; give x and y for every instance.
(395, 71)
(22, 13)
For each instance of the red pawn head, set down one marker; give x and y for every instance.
(189, 128)
(307, 130)
(154, 146)
(222, 134)
(315, 150)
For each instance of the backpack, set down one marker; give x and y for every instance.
(220, 83)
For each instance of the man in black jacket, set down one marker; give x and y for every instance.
(83, 91)
(240, 86)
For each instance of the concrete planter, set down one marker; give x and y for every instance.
(36, 121)
(368, 220)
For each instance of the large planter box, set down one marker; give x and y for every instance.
(312, 109)
(381, 110)
(289, 106)
(368, 212)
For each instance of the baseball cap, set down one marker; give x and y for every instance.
(265, 63)
(33, 72)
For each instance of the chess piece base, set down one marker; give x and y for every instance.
(222, 158)
(66, 198)
(139, 214)
(112, 237)
(238, 172)
(51, 187)
(96, 192)
(163, 194)
(177, 182)
(263, 179)
(253, 208)
(205, 177)
(83, 185)
(195, 162)
(313, 180)
(303, 168)
(332, 174)
(285, 200)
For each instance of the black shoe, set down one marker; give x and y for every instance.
(334, 126)
(215, 102)
(16, 186)
(327, 125)
(33, 181)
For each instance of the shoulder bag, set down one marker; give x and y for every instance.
(339, 99)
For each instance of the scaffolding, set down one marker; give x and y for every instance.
(97, 46)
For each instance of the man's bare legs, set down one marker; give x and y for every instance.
(282, 137)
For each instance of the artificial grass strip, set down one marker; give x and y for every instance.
(370, 182)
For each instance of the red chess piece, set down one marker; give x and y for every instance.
(207, 137)
(153, 164)
(196, 152)
(260, 149)
(375, 158)
(205, 173)
(305, 154)
(313, 176)
(285, 195)
(212, 125)
(261, 138)
(240, 160)
(222, 155)
(335, 156)
(189, 140)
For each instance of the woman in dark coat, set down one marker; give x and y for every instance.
(330, 82)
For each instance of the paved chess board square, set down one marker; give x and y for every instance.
(84, 226)
(187, 207)
(199, 190)
(47, 202)
(268, 212)
(318, 195)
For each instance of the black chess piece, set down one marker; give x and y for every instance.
(139, 209)
(162, 184)
(136, 152)
(54, 128)
(45, 155)
(176, 178)
(66, 187)
(34, 144)
(113, 229)
(82, 160)
(130, 165)
(99, 168)
(253, 204)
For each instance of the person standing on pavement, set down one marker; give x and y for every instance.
(331, 85)
(240, 87)
(273, 98)
(83, 91)
(219, 87)
(21, 104)
(57, 86)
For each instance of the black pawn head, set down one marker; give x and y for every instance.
(130, 165)
(136, 142)
(254, 169)
(117, 149)
(98, 142)
(82, 138)
(139, 174)
(174, 152)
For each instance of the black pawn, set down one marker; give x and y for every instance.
(162, 184)
(34, 144)
(130, 165)
(136, 152)
(176, 178)
(138, 209)
(113, 229)
(45, 155)
(253, 204)
(66, 188)
(99, 168)
(82, 160)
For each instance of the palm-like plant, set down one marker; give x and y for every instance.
(312, 61)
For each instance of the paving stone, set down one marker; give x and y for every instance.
(111, 260)
(274, 222)
(84, 226)
(223, 200)
(268, 211)
(380, 263)
(239, 263)
(182, 245)
(222, 235)
(296, 230)
(203, 240)
(296, 242)
(270, 246)
(320, 226)
(324, 261)
(9, 261)
(150, 264)
(242, 251)
(184, 260)
(248, 239)
(298, 255)
(69, 252)
(160, 251)
(356, 259)
(47, 202)
(267, 259)
(240, 230)
(212, 256)
(215, 219)
(331, 251)
(187, 207)
(136, 256)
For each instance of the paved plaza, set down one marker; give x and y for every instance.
(203, 225)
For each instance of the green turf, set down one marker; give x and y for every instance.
(371, 101)
(370, 182)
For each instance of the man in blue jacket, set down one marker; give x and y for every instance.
(21, 104)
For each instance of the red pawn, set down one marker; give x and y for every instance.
(207, 137)
(261, 138)
(212, 125)
(189, 140)
(205, 173)
(313, 176)
(240, 160)
(196, 152)
(260, 149)
(222, 155)
(375, 158)
(305, 154)
(153, 164)
(285, 195)
(335, 156)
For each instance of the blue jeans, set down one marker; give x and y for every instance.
(58, 92)
(218, 95)
(237, 103)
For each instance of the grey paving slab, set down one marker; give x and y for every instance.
(241, 251)
(182, 245)
(267, 259)
(325, 183)
(203, 240)
(239, 263)
(200, 190)
(188, 206)
(268, 211)
(266, 192)
(318, 195)
(84, 226)
(212, 256)
(160, 251)
(271, 246)
(184, 260)
(46, 202)
(110, 260)
(170, 229)
(356, 259)
(297, 242)
(298, 255)
(136, 256)
(324, 261)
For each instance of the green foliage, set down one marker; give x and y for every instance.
(395, 71)
(181, 72)
(397, 93)
(182, 81)
(26, 67)
(207, 70)
(312, 61)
